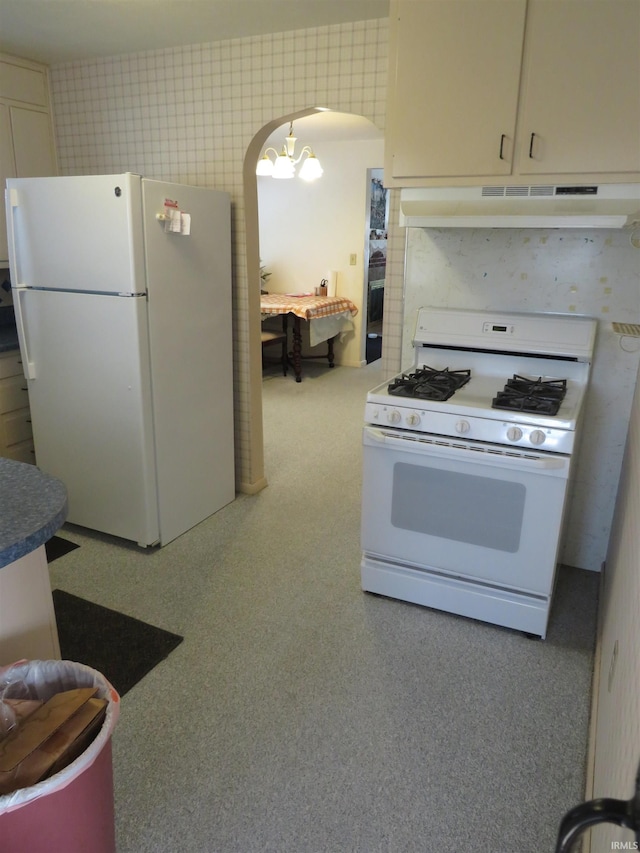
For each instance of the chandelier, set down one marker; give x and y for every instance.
(284, 164)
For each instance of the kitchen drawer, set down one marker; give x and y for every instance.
(11, 365)
(16, 427)
(13, 394)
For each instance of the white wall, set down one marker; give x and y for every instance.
(596, 273)
(617, 744)
(308, 229)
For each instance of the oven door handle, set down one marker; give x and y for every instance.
(479, 453)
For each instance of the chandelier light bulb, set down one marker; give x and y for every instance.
(283, 167)
(265, 166)
(311, 169)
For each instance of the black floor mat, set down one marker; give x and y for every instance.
(123, 649)
(58, 547)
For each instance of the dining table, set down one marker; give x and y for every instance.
(328, 317)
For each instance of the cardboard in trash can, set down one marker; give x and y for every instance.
(22, 740)
(44, 745)
(73, 810)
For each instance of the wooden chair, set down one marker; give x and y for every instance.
(271, 338)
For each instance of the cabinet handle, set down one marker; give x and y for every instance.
(531, 146)
(502, 139)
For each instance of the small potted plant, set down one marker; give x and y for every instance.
(264, 277)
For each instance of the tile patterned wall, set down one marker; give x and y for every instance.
(188, 115)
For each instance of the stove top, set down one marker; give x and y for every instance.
(507, 379)
(520, 393)
(541, 408)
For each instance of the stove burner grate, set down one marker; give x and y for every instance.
(428, 383)
(535, 396)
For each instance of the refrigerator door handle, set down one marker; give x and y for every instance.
(18, 286)
(12, 203)
(29, 366)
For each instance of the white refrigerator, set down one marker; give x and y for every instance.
(122, 293)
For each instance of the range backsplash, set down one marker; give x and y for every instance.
(596, 273)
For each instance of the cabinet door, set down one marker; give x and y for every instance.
(7, 170)
(453, 87)
(580, 108)
(32, 143)
(26, 152)
(22, 80)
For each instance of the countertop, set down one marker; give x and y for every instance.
(33, 506)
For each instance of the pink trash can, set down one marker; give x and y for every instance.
(71, 811)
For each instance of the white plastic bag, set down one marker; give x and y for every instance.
(41, 680)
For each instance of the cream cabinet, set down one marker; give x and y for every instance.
(529, 90)
(580, 101)
(26, 133)
(16, 440)
(453, 88)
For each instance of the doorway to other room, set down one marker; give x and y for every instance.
(375, 262)
(311, 233)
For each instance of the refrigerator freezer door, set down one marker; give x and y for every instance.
(189, 281)
(76, 233)
(91, 407)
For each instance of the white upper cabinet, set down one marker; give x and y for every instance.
(529, 90)
(32, 143)
(26, 132)
(453, 89)
(580, 96)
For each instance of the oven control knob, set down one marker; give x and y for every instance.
(463, 427)
(394, 417)
(514, 433)
(413, 419)
(537, 437)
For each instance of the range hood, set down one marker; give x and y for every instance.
(547, 206)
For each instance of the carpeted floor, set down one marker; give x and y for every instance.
(301, 715)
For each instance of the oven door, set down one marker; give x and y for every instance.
(467, 509)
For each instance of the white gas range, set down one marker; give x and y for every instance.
(467, 458)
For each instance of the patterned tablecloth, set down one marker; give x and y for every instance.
(328, 316)
(306, 307)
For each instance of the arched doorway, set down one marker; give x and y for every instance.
(315, 127)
